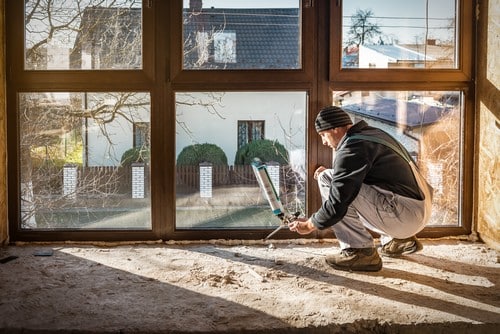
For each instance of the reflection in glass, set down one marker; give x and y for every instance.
(244, 35)
(218, 135)
(428, 124)
(80, 165)
(399, 34)
(83, 34)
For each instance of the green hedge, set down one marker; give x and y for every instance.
(193, 155)
(135, 154)
(266, 150)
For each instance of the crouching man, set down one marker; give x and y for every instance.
(372, 185)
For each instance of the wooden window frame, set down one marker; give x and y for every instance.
(246, 79)
(162, 77)
(20, 80)
(460, 79)
(461, 76)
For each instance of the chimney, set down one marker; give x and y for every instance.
(195, 5)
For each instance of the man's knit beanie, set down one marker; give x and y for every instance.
(331, 117)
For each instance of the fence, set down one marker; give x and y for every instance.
(105, 179)
(189, 176)
(73, 180)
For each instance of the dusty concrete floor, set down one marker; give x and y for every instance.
(452, 286)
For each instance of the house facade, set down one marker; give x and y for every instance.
(242, 117)
(231, 38)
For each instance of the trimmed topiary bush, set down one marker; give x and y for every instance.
(135, 154)
(193, 155)
(266, 150)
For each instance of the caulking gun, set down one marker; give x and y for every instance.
(267, 187)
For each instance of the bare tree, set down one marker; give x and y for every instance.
(198, 40)
(47, 122)
(362, 28)
(92, 34)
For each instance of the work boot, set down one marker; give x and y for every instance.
(398, 247)
(356, 259)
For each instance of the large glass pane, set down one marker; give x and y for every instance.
(257, 34)
(399, 34)
(218, 135)
(428, 124)
(83, 34)
(80, 165)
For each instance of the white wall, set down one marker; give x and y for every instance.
(368, 56)
(284, 114)
(102, 152)
(107, 143)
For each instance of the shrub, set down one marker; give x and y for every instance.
(135, 154)
(193, 155)
(266, 150)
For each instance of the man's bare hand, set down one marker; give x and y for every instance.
(302, 226)
(318, 171)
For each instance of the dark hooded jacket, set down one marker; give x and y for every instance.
(359, 161)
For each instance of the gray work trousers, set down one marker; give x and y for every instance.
(382, 211)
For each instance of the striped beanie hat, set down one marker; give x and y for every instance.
(331, 117)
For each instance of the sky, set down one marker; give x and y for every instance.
(403, 8)
(248, 4)
(404, 21)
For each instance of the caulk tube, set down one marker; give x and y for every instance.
(267, 187)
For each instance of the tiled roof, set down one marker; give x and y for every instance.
(265, 37)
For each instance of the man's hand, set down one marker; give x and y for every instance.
(302, 226)
(318, 171)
